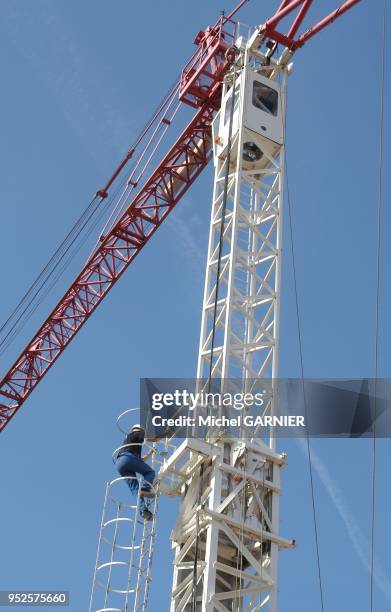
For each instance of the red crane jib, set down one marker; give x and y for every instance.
(145, 213)
(200, 87)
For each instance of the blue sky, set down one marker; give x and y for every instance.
(79, 80)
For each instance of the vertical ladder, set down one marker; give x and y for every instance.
(122, 574)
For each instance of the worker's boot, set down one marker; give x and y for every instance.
(146, 514)
(148, 490)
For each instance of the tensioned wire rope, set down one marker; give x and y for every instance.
(377, 329)
(69, 247)
(134, 180)
(301, 361)
(67, 244)
(239, 560)
(127, 189)
(377, 300)
(45, 273)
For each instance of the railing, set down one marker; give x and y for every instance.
(201, 77)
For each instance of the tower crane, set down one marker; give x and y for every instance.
(227, 534)
(200, 87)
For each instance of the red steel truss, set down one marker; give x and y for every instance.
(200, 88)
(286, 8)
(161, 193)
(145, 213)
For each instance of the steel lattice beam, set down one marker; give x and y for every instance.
(146, 212)
(288, 7)
(143, 216)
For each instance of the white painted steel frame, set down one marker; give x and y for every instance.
(238, 489)
(122, 574)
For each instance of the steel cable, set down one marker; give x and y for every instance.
(377, 301)
(42, 292)
(309, 454)
(39, 289)
(46, 273)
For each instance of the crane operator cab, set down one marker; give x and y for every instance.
(262, 121)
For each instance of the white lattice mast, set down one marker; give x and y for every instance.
(227, 535)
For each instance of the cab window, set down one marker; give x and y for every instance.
(265, 98)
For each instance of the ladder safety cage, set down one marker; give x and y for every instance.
(123, 567)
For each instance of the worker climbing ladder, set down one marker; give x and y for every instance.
(122, 574)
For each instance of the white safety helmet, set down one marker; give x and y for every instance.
(137, 427)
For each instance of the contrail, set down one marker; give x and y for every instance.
(187, 232)
(359, 541)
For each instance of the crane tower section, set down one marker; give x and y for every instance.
(227, 538)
